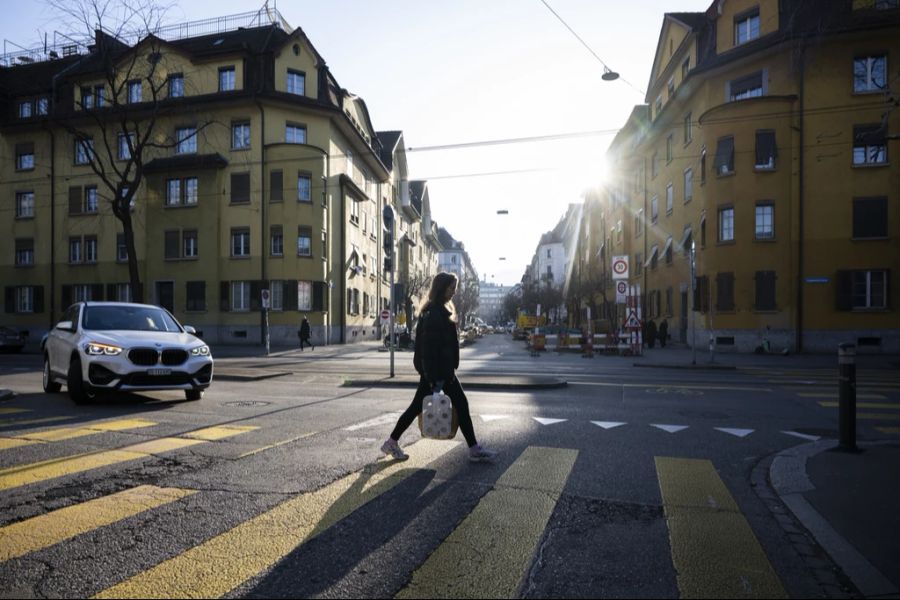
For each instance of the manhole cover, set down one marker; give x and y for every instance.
(247, 403)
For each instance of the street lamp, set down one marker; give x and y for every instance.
(609, 75)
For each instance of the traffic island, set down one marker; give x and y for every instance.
(469, 382)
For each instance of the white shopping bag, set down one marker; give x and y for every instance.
(438, 418)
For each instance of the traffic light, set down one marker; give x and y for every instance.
(387, 222)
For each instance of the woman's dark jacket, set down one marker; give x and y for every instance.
(304, 330)
(437, 345)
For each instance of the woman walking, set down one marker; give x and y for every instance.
(436, 360)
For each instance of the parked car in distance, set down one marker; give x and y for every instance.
(11, 340)
(118, 346)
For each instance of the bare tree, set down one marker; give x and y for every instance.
(466, 299)
(414, 286)
(124, 112)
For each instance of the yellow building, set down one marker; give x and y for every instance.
(261, 173)
(765, 142)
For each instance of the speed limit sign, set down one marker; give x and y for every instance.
(620, 267)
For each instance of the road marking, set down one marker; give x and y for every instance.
(669, 428)
(13, 411)
(607, 424)
(220, 432)
(276, 444)
(217, 566)
(385, 419)
(685, 387)
(885, 405)
(714, 550)
(741, 433)
(803, 436)
(52, 528)
(4, 422)
(545, 421)
(836, 396)
(68, 433)
(490, 552)
(489, 418)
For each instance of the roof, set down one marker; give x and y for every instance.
(693, 20)
(388, 141)
(35, 78)
(447, 240)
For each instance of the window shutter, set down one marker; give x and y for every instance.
(276, 186)
(240, 187)
(25, 148)
(870, 217)
(10, 299)
(255, 287)
(224, 305)
(96, 291)
(320, 289)
(65, 297)
(843, 287)
(38, 292)
(171, 249)
(111, 292)
(289, 295)
(887, 288)
(75, 200)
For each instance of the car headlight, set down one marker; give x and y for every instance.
(95, 349)
(200, 351)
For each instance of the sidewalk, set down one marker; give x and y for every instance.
(682, 357)
(848, 502)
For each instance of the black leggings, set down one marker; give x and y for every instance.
(457, 397)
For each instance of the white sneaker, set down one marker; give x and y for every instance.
(478, 453)
(392, 448)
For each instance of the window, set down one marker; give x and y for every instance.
(189, 246)
(135, 92)
(276, 294)
(240, 295)
(751, 86)
(670, 87)
(654, 166)
(869, 289)
(90, 199)
(26, 109)
(639, 223)
(100, 96)
(196, 295)
(746, 27)
(276, 241)
(295, 134)
(173, 192)
(240, 242)
(171, 250)
(296, 82)
(176, 85)
(869, 145)
(685, 68)
(87, 98)
(186, 140)
(191, 193)
(126, 145)
(354, 212)
(25, 156)
(24, 205)
(240, 188)
(668, 251)
(638, 263)
(240, 135)
(276, 186)
(324, 245)
(75, 255)
(657, 107)
(724, 164)
(90, 248)
(84, 151)
(688, 185)
(373, 265)
(669, 144)
(765, 290)
(725, 291)
(304, 241)
(703, 166)
(726, 224)
(43, 106)
(24, 252)
(350, 164)
(688, 131)
(654, 209)
(869, 73)
(670, 192)
(549, 253)
(669, 294)
(226, 79)
(304, 187)
(765, 149)
(765, 221)
(870, 218)
(122, 292)
(25, 302)
(83, 293)
(121, 248)
(703, 231)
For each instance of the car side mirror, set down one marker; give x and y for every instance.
(190, 330)
(65, 325)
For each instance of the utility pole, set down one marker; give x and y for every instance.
(387, 221)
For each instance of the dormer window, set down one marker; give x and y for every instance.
(296, 83)
(226, 79)
(746, 27)
(135, 92)
(752, 86)
(26, 109)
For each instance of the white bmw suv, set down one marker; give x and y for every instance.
(108, 346)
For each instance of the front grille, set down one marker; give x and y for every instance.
(143, 379)
(204, 375)
(100, 375)
(145, 357)
(174, 357)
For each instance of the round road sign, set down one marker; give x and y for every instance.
(621, 287)
(385, 315)
(620, 266)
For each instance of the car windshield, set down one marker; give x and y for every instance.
(130, 318)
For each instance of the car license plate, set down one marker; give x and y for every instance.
(159, 371)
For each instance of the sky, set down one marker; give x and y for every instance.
(454, 72)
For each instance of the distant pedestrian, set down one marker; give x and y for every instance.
(651, 333)
(663, 333)
(436, 359)
(304, 334)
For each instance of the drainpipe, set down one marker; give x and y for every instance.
(263, 216)
(342, 272)
(52, 295)
(800, 273)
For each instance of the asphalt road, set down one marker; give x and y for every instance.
(629, 482)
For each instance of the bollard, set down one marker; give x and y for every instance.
(847, 401)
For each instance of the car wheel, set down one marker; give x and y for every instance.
(193, 394)
(50, 386)
(79, 391)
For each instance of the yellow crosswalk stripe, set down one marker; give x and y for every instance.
(9, 410)
(714, 551)
(505, 527)
(221, 564)
(836, 396)
(211, 434)
(52, 528)
(885, 405)
(12, 477)
(68, 433)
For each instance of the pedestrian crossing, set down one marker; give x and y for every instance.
(488, 554)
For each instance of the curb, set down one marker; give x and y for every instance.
(790, 480)
(468, 383)
(700, 367)
(234, 375)
(7, 395)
